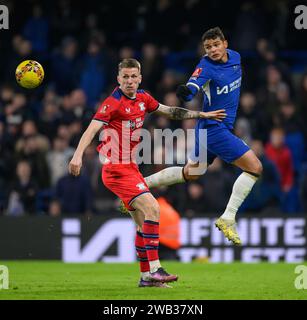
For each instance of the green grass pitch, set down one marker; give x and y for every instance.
(202, 281)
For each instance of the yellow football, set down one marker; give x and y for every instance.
(29, 74)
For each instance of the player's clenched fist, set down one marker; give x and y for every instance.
(74, 166)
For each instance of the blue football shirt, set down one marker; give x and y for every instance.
(220, 83)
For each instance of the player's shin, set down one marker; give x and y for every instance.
(165, 177)
(142, 255)
(241, 188)
(151, 242)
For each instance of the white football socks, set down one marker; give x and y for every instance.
(240, 190)
(165, 177)
(145, 275)
(154, 265)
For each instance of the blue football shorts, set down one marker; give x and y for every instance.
(216, 140)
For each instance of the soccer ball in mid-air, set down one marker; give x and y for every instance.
(29, 74)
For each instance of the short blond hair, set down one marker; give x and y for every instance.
(129, 63)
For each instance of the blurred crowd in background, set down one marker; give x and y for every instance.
(80, 46)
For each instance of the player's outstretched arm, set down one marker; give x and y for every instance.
(75, 164)
(177, 113)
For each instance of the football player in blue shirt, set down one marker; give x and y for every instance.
(218, 76)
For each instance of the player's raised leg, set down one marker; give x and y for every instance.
(173, 175)
(166, 177)
(252, 169)
(147, 205)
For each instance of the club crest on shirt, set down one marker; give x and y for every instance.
(142, 106)
(141, 186)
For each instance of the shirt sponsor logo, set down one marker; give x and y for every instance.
(229, 87)
(130, 124)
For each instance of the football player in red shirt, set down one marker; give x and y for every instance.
(125, 109)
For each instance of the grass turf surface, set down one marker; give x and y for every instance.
(197, 281)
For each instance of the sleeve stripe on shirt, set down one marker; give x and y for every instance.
(154, 108)
(105, 122)
(193, 84)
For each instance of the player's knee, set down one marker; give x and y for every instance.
(255, 168)
(258, 168)
(153, 211)
(191, 174)
(191, 177)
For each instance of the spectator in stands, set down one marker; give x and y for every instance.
(22, 50)
(73, 106)
(217, 181)
(243, 130)
(29, 130)
(30, 149)
(16, 110)
(250, 110)
(54, 209)
(294, 128)
(267, 95)
(280, 154)
(36, 30)
(249, 26)
(195, 202)
(23, 191)
(94, 72)
(283, 93)
(50, 118)
(277, 151)
(151, 66)
(63, 66)
(74, 194)
(66, 19)
(58, 158)
(167, 84)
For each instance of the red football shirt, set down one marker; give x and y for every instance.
(283, 161)
(123, 117)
